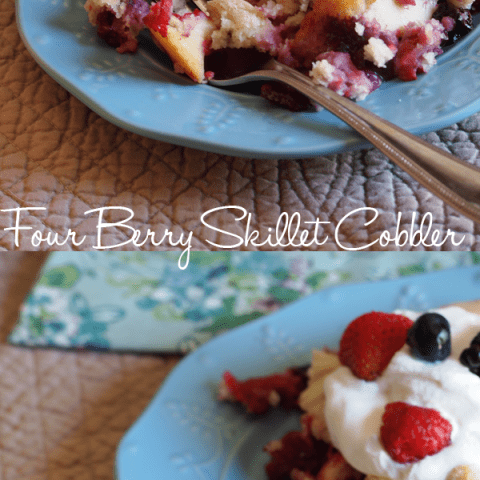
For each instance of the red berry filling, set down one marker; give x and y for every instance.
(121, 33)
(301, 456)
(259, 394)
(299, 452)
(348, 80)
(159, 16)
(415, 44)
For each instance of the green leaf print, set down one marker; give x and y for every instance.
(345, 276)
(228, 319)
(61, 277)
(475, 257)
(244, 281)
(411, 269)
(35, 325)
(316, 280)
(281, 274)
(166, 313)
(283, 294)
(225, 322)
(199, 259)
(132, 285)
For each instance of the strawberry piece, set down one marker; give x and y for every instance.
(410, 433)
(260, 393)
(371, 340)
(159, 16)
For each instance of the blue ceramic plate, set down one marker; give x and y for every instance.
(138, 93)
(185, 433)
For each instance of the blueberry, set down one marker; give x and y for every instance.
(476, 340)
(470, 357)
(429, 337)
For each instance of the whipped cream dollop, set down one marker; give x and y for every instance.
(354, 407)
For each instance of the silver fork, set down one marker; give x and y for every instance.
(456, 182)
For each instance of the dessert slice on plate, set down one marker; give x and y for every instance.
(349, 46)
(185, 38)
(399, 400)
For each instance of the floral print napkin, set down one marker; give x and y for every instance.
(143, 301)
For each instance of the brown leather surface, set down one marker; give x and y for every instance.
(62, 414)
(58, 154)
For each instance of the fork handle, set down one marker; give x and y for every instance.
(454, 181)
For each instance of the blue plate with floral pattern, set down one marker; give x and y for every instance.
(186, 434)
(139, 93)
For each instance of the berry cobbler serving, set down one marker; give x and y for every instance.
(400, 399)
(350, 46)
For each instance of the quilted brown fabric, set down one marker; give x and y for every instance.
(62, 414)
(58, 154)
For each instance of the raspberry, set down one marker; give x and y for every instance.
(410, 433)
(371, 340)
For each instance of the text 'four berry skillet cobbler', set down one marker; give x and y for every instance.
(350, 46)
(399, 400)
